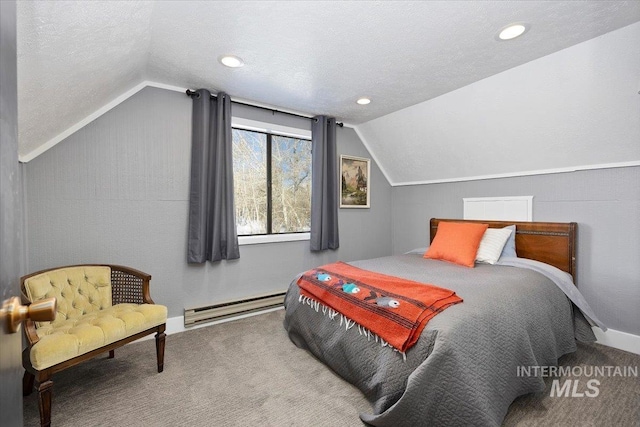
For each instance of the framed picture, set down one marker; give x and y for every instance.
(355, 190)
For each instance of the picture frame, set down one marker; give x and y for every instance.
(355, 182)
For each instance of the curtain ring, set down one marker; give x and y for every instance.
(193, 94)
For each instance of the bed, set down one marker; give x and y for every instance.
(463, 369)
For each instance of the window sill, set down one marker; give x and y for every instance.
(273, 238)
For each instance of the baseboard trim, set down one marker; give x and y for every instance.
(176, 324)
(612, 338)
(617, 339)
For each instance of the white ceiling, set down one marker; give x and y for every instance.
(575, 109)
(313, 57)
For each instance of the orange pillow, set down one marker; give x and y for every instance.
(457, 242)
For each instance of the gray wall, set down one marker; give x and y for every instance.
(605, 203)
(117, 191)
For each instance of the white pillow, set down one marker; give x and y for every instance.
(491, 244)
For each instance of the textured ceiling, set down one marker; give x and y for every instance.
(311, 57)
(578, 108)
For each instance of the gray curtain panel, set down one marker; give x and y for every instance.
(212, 223)
(324, 185)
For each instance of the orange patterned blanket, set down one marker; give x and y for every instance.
(395, 309)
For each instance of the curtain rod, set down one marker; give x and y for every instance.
(191, 93)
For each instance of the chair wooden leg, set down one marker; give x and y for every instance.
(160, 339)
(112, 354)
(45, 391)
(27, 383)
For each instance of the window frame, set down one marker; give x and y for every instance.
(271, 129)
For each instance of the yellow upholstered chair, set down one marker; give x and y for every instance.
(99, 308)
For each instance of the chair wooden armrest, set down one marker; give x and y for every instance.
(30, 332)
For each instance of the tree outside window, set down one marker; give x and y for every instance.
(272, 183)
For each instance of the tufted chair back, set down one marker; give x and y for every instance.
(79, 290)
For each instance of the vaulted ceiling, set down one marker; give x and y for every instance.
(312, 57)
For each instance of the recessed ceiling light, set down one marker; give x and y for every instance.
(512, 31)
(231, 61)
(363, 101)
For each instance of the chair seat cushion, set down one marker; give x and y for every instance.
(74, 337)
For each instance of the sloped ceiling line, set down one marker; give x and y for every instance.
(464, 108)
(137, 88)
(91, 117)
(78, 55)
(119, 100)
(524, 173)
(540, 117)
(96, 114)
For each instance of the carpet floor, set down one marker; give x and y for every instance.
(248, 373)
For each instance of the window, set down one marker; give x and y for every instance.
(272, 183)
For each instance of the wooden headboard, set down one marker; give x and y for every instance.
(553, 243)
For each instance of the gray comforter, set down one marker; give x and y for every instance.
(463, 369)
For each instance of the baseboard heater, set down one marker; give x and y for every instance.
(193, 316)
